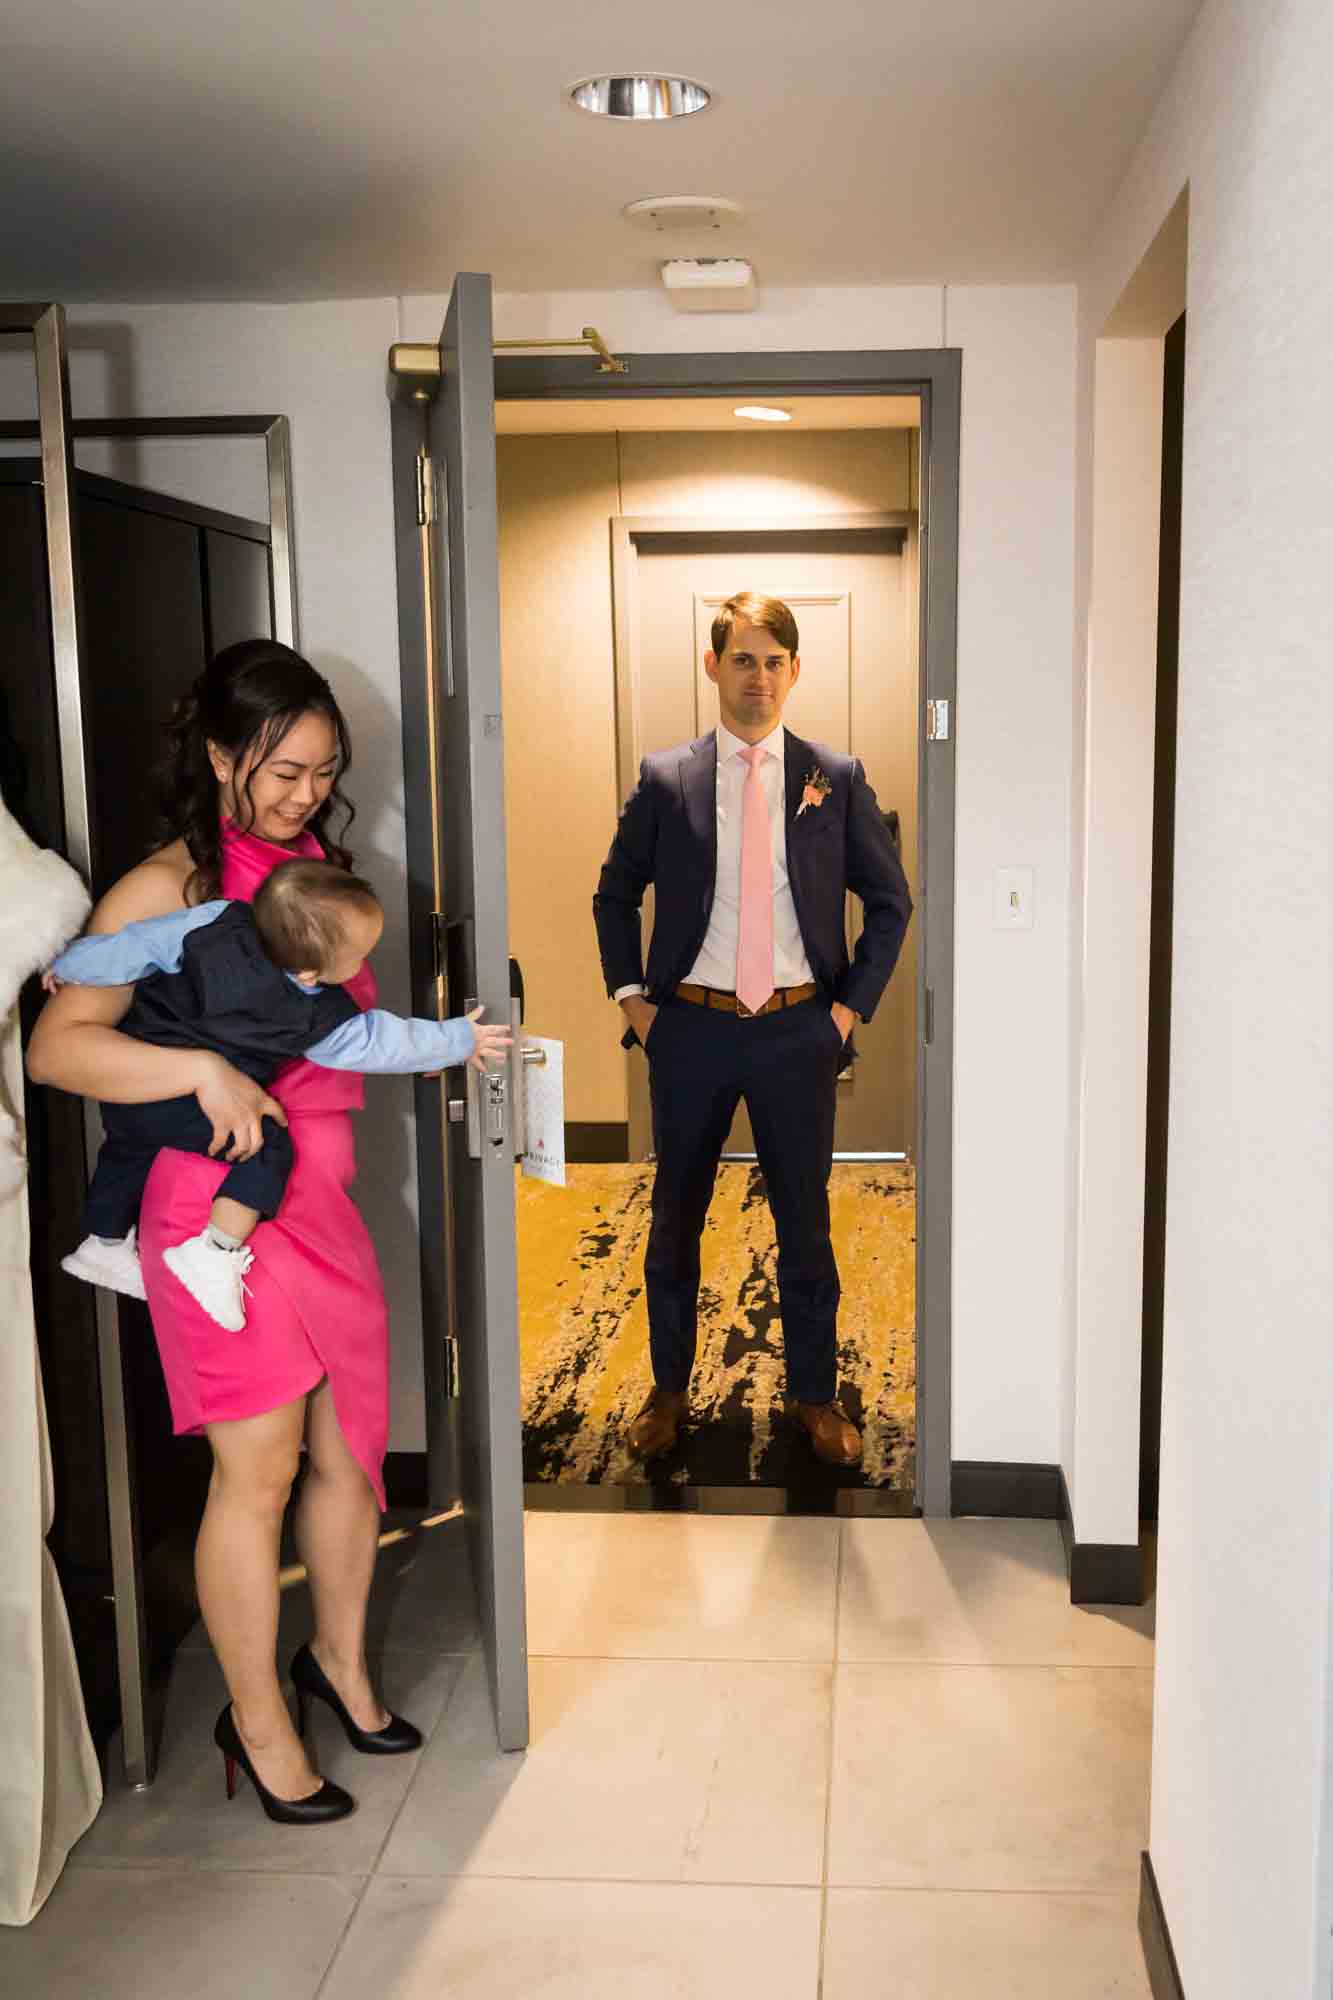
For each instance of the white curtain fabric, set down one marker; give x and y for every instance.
(50, 1784)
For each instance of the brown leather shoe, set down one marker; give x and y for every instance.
(833, 1434)
(655, 1428)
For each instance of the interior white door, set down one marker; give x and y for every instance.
(857, 693)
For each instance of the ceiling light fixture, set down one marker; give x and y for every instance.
(762, 413)
(682, 213)
(639, 97)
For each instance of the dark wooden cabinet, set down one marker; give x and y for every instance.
(165, 585)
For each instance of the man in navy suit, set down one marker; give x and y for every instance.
(752, 838)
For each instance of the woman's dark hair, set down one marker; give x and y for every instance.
(246, 699)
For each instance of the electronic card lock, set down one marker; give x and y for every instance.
(496, 1101)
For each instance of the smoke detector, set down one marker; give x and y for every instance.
(710, 284)
(675, 214)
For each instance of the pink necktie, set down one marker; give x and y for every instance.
(754, 950)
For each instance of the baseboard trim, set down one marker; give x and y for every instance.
(1013, 1490)
(406, 1483)
(596, 1142)
(1100, 1572)
(1155, 1935)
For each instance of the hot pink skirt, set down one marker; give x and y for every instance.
(316, 1304)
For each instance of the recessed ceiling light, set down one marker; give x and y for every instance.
(646, 97)
(762, 413)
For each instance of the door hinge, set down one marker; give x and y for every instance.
(425, 490)
(450, 1365)
(928, 1031)
(937, 722)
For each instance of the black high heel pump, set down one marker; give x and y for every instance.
(328, 1803)
(310, 1681)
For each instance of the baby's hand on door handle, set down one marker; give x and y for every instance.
(492, 1042)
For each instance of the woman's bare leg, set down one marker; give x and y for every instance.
(236, 1569)
(337, 1533)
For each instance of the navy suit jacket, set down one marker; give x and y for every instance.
(668, 836)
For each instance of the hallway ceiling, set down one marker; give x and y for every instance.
(317, 149)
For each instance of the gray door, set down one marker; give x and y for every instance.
(449, 616)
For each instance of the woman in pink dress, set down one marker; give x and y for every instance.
(256, 751)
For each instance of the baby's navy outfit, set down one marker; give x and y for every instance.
(204, 981)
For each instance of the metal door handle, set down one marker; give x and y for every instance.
(487, 1100)
(534, 1057)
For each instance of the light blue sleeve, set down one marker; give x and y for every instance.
(380, 1044)
(154, 944)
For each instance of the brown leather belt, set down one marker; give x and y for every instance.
(727, 1003)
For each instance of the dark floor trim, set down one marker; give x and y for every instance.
(1101, 1572)
(406, 1483)
(1013, 1490)
(676, 1497)
(1158, 1953)
(595, 1142)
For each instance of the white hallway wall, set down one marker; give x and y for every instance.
(323, 366)
(1240, 1778)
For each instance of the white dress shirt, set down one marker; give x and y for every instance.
(716, 963)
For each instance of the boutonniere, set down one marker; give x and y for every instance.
(817, 789)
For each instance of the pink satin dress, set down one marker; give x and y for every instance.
(316, 1303)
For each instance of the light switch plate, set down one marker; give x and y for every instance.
(1013, 899)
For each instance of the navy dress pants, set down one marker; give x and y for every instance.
(136, 1134)
(702, 1062)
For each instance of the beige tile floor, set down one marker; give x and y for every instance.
(802, 1759)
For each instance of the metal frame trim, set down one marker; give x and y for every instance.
(54, 429)
(56, 432)
(278, 458)
(276, 433)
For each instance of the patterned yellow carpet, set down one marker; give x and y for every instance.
(584, 1329)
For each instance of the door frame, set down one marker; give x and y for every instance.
(934, 375)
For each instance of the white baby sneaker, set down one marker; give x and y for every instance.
(213, 1276)
(115, 1266)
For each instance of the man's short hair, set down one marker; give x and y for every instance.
(298, 911)
(750, 607)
